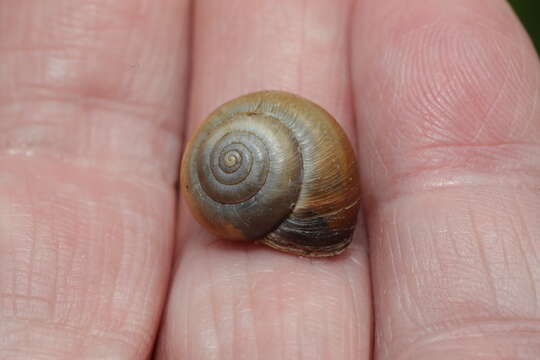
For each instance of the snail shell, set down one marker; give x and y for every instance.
(276, 168)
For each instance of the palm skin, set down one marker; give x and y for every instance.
(98, 259)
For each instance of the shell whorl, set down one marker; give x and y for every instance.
(274, 167)
(233, 165)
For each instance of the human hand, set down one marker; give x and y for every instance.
(440, 98)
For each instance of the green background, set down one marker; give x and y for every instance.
(529, 12)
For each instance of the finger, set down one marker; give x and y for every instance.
(247, 302)
(447, 98)
(90, 102)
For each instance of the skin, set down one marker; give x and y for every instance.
(99, 261)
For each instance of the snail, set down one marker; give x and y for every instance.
(275, 168)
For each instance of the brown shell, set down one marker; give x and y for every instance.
(273, 167)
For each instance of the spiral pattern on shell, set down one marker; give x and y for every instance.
(274, 167)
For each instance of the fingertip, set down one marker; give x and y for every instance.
(441, 75)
